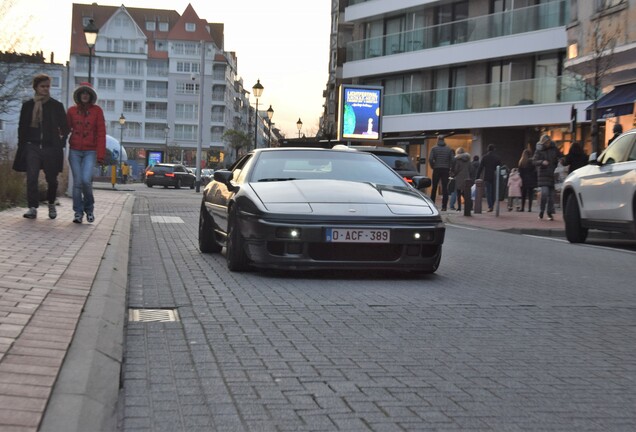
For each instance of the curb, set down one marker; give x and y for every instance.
(85, 394)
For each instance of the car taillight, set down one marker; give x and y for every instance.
(169, 174)
(150, 173)
(408, 180)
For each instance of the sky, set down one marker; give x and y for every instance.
(284, 43)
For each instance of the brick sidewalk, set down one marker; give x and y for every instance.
(47, 268)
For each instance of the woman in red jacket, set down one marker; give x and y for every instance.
(87, 145)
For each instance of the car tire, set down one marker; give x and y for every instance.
(177, 184)
(574, 232)
(207, 240)
(235, 249)
(192, 184)
(149, 185)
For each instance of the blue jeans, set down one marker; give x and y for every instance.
(490, 194)
(82, 163)
(547, 199)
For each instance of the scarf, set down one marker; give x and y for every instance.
(36, 117)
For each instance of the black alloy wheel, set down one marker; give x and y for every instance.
(237, 260)
(574, 232)
(207, 241)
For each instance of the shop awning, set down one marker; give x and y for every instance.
(616, 103)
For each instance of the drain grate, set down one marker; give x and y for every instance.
(153, 315)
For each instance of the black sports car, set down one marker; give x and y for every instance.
(301, 208)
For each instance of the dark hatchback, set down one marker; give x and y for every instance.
(394, 157)
(175, 175)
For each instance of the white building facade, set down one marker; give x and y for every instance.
(476, 72)
(167, 74)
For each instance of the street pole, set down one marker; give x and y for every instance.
(200, 127)
(122, 123)
(257, 89)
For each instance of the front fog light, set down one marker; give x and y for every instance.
(288, 233)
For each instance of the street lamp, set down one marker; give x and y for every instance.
(166, 131)
(122, 123)
(90, 33)
(299, 125)
(270, 114)
(258, 91)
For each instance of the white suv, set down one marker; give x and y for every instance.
(602, 194)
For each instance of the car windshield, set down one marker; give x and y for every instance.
(397, 162)
(322, 165)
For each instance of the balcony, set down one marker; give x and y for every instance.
(497, 95)
(522, 20)
(156, 114)
(161, 93)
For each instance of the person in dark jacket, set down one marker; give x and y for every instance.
(546, 158)
(528, 173)
(441, 161)
(618, 130)
(87, 146)
(576, 157)
(461, 173)
(42, 131)
(488, 165)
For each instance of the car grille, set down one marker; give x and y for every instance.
(351, 251)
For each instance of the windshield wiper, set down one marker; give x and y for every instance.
(273, 179)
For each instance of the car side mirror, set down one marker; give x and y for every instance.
(593, 159)
(421, 182)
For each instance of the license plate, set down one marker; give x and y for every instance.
(353, 235)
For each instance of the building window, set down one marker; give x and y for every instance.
(187, 67)
(573, 51)
(161, 45)
(132, 85)
(120, 45)
(134, 67)
(163, 26)
(187, 111)
(106, 84)
(187, 88)
(185, 132)
(186, 48)
(132, 106)
(151, 25)
(190, 27)
(107, 105)
(107, 65)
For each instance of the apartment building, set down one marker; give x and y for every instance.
(476, 72)
(167, 74)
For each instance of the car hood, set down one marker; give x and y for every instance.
(334, 197)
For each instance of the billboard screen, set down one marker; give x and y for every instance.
(359, 116)
(155, 157)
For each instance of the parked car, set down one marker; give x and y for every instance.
(301, 208)
(602, 194)
(394, 157)
(165, 174)
(206, 176)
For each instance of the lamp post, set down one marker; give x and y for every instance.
(122, 123)
(299, 125)
(257, 89)
(90, 33)
(270, 114)
(166, 131)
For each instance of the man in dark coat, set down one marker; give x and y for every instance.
(441, 160)
(488, 165)
(42, 132)
(546, 158)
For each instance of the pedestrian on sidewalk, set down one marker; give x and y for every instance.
(528, 173)
(440, 160)
(87, 146)
(488, 165)
(576, 157)
(42, 132)
(514, 189)
(546, 158)
(461, 172)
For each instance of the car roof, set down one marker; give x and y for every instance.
(373, 149)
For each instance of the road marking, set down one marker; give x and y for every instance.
(166, 219)
(462, 227)
(560, 240)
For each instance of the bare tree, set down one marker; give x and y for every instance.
(595, 70)
(236, 140)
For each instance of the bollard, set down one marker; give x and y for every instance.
(479, 194)
(468, 201)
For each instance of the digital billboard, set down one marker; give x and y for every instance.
(359, 116)
(155, 157)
